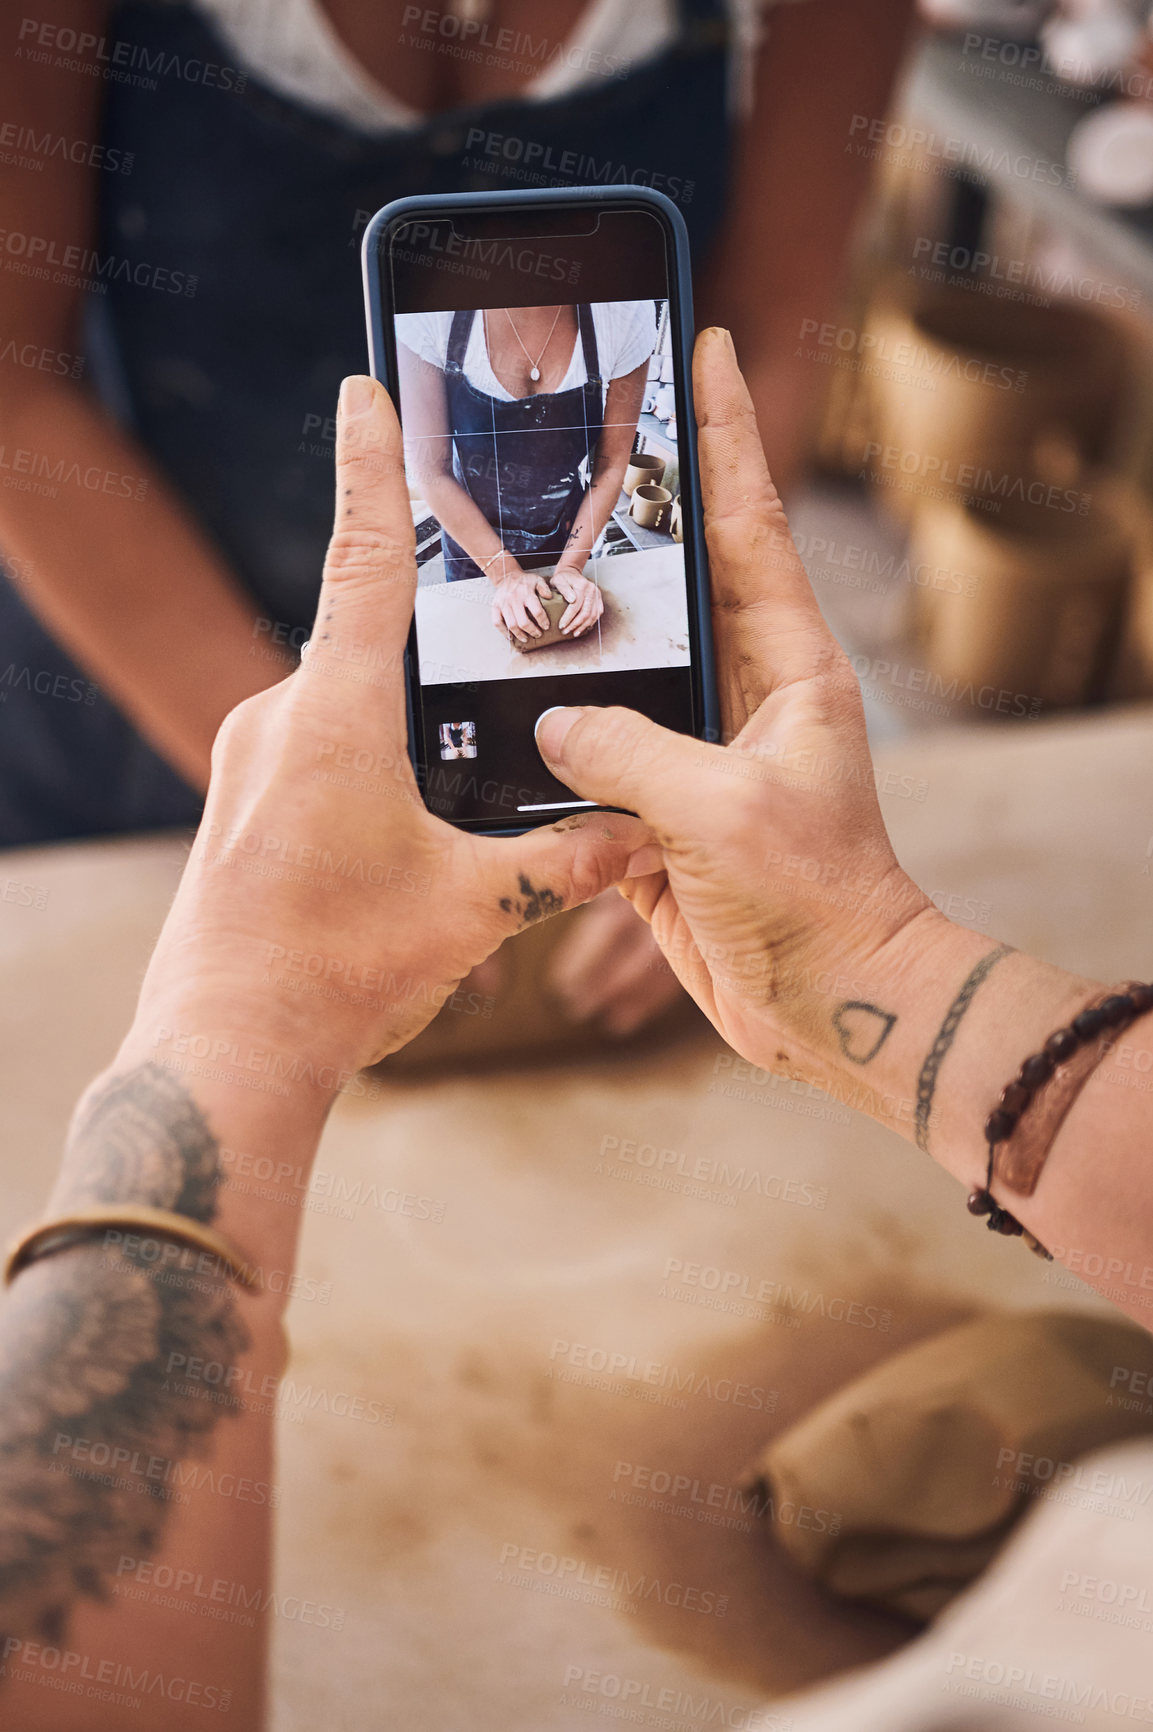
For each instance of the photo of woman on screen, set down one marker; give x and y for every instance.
(519, 424)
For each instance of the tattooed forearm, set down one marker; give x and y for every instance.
(946, 1034)
(142, 1139)
(862, 1029)
(93, 1428)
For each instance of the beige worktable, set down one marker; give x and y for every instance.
(644, 625)
(493, 1276)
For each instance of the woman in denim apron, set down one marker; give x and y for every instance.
(521, 467)
(232, 309)
(525, 474)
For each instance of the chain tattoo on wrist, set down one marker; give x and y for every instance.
(96, 1435)
(946, 1034)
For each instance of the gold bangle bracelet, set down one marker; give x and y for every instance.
(139, 1218)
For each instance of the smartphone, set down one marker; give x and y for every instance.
(537, 347)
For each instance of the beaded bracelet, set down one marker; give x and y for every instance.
(1057, 1074)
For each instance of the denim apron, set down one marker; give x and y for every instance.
(520, 461)
(229, 308)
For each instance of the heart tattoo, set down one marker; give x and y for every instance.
(862, 1029)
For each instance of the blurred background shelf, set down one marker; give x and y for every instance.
(979, 521)
(1001, 121)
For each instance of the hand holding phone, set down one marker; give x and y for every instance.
(366, 912)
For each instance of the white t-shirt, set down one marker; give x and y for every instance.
(626, 334)
(291, 46)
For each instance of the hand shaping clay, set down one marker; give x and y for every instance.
(554, 605)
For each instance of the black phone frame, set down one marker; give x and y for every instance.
(383, 366)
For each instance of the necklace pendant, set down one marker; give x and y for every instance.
(534, 372)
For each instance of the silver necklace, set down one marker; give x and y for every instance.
(534, 366)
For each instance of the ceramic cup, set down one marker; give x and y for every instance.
(675, 523)
(650, 503)
(643, 468)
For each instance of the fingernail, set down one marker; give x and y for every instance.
(718, 334)
(552, 727)
(357, 396)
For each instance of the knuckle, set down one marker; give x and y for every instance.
(234, 735)
(734, 412)
(823, 679)
(753, 530)
(224, 744)
(368, 551)
(738, 818)
(365, 452)
(836, 686)
(586, 872)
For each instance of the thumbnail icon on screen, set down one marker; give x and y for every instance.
(457, 739)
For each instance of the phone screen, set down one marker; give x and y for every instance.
(537, 361)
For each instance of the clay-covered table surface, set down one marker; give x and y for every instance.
(547, 1316)
(644, 625)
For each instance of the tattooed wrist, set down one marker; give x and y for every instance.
(946, 1034)
(862, 1029)
(139, 1137)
